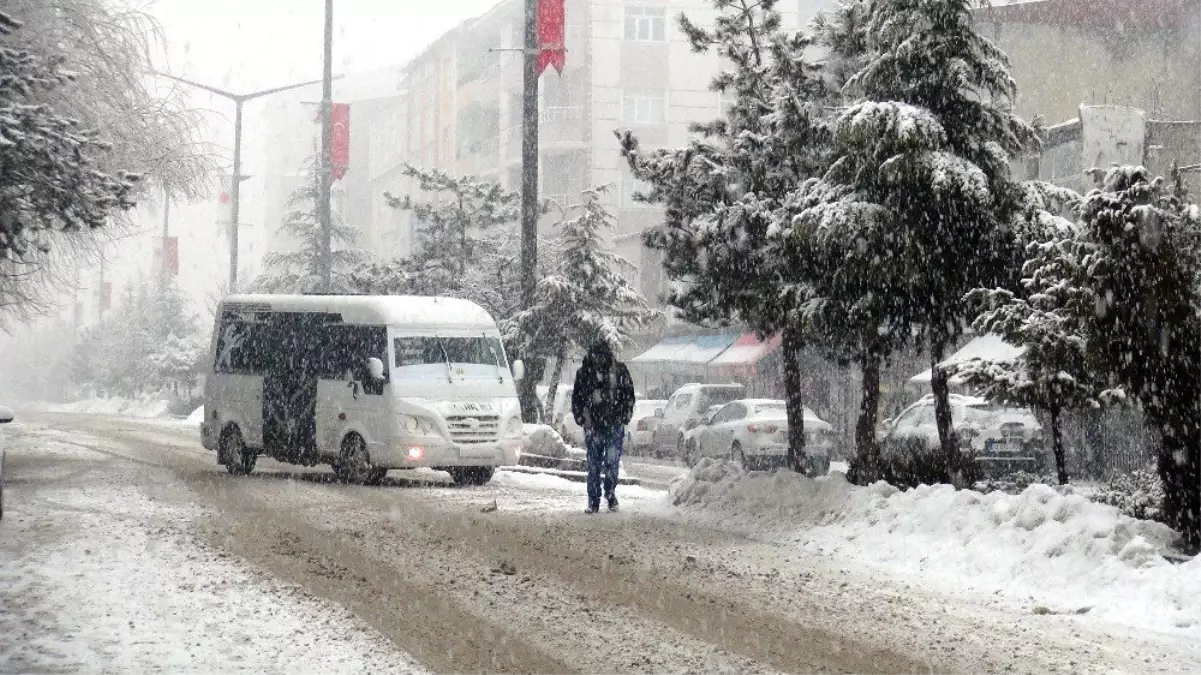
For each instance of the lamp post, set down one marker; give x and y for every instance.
(239, 100)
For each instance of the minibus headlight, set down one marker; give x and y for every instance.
(416, 425)
(514, 428)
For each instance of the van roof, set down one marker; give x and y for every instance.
(375, 310)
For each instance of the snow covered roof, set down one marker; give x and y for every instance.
(410, 311)
(986, 347)
(741, 358)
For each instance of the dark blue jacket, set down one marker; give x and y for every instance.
(604, 390)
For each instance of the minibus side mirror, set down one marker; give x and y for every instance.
(375, 368)
(518, 370)
(6, 415)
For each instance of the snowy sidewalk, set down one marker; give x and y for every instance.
(98, 575)
(1040, 552)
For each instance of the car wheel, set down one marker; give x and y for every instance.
(471, 475)
(738, 456)
(238, 459)
(690, 452)
(354, 464)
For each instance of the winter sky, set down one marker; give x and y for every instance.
(246, 45)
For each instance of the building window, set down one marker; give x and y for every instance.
(631, 186)
(645, 106)
(646, 24)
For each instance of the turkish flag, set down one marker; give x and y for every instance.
(339, 149)
(106, 295)
(551, 50)
(171, 249)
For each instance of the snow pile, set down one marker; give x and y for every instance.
(196, 417)
(759, 498)
(539, 439)
(145, 407)
(1043, 547)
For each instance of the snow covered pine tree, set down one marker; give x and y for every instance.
(720, 191)
(924, 154)
(299, 271)
(587, 298)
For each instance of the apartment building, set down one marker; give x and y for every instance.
(628, 67)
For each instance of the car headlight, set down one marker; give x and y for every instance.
(513, 430)
(417, 425)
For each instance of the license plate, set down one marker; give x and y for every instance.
(476, 452)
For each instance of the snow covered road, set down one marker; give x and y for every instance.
(125, 547)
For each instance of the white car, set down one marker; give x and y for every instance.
(641, 428)
(683, 412)
(1001, 439)
(754, 432)
(6, 416)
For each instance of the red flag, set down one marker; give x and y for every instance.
(339, 149)
(106, 294)
(551, 50)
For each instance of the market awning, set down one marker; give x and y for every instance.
(685, 355)
(986, 347)
(742, 358)
(661, 352)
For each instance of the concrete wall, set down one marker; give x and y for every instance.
(1058, 67)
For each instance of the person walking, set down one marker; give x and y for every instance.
(602, 403)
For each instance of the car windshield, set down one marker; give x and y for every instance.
(718, 396)
(426, 350)
(991, 413)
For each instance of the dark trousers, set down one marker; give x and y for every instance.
(604, 460)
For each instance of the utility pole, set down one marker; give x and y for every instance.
(527, 388)
(236, 180)
(529, 157)
(327, 139)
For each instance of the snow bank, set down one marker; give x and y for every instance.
(196, 417)
(539, 439)
(147, 407)
(1042, 547)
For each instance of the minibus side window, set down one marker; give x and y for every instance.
(349, 347)
(239, 348)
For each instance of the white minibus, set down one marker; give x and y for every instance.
(363, 383)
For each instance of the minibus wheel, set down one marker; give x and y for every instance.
(354, 464)
(238, 459)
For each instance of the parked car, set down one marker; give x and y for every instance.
(684, 410)
(6, 416)
(641, 428)
(689, 454)
(1000, 438)
(754, 432)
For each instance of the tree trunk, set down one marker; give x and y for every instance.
(1061, 465)
(794, 401)
(555, 377)
(947, 442)
(1180, 469)
(527, 389)
(866, 447)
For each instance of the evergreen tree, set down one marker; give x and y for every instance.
(1136, 266)
(585, 300)
(721, 190)
(1052, 373)
(921, 188)
(299, 271)
(459, 213)
(51, 179)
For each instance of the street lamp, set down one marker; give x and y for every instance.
(235, 188)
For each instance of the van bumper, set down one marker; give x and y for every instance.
(208, 435)
(408, 453)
